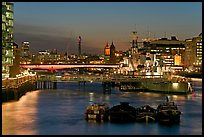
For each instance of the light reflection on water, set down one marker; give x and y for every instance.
(61, 112)
(19, 117)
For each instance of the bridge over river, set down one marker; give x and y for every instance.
(127, 83)
(101, 78)
(65, 66)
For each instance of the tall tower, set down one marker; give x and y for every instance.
(7, 37)
(112, 54)
(79, 48)
(107, 50)
(107, 54)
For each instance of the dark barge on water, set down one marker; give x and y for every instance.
(122, 113)
(166, 112)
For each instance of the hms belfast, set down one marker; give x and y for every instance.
(159, 85)
(148, 74)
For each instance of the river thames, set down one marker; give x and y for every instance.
(61, 112)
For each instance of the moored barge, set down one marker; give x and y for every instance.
(97, 112)
(168, 112)
(146, 113)
(122, 113)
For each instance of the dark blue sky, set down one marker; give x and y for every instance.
(49, 25)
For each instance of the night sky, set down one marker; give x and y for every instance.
(57, 25)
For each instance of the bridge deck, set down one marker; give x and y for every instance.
(64, 66)
(101, 79)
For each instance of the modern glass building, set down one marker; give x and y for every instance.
(7, 37)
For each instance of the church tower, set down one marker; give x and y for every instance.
(112, 54)
(107, 54)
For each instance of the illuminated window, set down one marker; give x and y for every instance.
(177, 60)
(199, 43)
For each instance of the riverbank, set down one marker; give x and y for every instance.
(14, 94)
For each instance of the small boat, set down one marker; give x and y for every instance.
(146, 114)
(97, 112)
(168, 112)
(122, 113)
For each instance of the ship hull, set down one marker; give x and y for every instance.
(159, 86)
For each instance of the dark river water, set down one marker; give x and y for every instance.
(61, 112)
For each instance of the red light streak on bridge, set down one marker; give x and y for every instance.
(59, 66)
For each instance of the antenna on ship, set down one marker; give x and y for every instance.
(134, 35)
(135, 27)
(154, 35)
(165, 34)
(148, 33)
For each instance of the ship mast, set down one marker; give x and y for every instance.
(133, 59)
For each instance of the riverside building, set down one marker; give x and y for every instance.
(193, 54)
(166, 53)
(7, 38)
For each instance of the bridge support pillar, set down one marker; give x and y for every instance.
(84, 83)
(44, 84)
(39, 84)
(54, 85)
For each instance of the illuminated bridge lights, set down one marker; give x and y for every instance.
(60, 66)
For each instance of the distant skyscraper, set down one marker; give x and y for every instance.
(7, 37)
(25, 52)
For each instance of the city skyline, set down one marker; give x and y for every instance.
(54, 25)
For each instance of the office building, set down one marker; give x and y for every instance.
(7, 38)
(193, 54)
(15, 69)
(165, 52)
